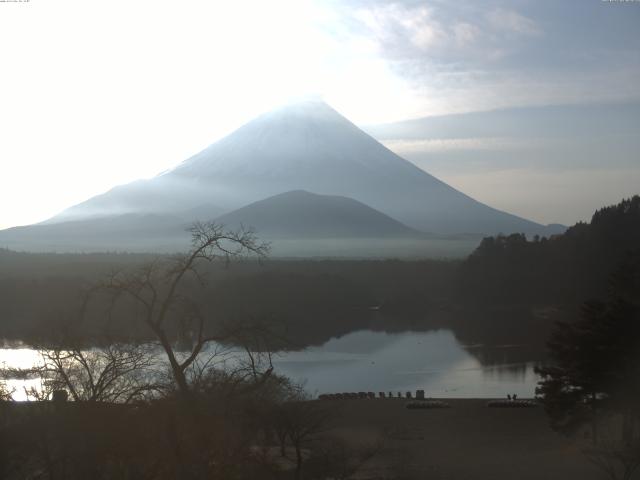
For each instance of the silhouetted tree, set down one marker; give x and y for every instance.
(5, 392)
(594, 378)
(167, 307)
(300, 420)
(115, 372)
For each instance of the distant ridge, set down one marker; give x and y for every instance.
(301, 214)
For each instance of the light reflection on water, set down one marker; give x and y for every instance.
(21, 358)
(374, 361)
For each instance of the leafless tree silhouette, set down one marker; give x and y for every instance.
(115, 373)
(157, 289)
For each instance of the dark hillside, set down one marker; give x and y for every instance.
(564, 268)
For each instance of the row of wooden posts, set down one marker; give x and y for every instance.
(370, 395)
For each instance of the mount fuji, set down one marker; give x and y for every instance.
(306, 146)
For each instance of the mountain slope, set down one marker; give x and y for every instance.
(305, 146)
(300, 214)
(141, 232)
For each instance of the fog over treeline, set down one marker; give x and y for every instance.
(510, 288)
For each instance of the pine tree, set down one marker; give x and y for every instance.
(592, 384)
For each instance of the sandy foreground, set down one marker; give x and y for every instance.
(467, 441)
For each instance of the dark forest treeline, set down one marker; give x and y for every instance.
(563, 269)
(495, 292)
(312, 299)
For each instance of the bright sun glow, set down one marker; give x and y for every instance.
(98, 94)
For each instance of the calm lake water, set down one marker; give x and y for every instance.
(433, 361)
(365, 360)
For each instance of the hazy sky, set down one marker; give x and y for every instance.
(98, 93)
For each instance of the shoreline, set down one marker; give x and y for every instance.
(466, 441)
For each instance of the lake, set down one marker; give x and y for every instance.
(433, 361)
(376, 361)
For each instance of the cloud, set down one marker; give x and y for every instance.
(467, 57)
(550, 164)
(466, 33)
(397, 27)
(439, 33)
(431, 145)
(510, 20)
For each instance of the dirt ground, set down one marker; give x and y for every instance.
(467, 441)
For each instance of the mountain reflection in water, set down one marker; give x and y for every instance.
(433, 361)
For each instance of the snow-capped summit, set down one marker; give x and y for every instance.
(304, 146)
